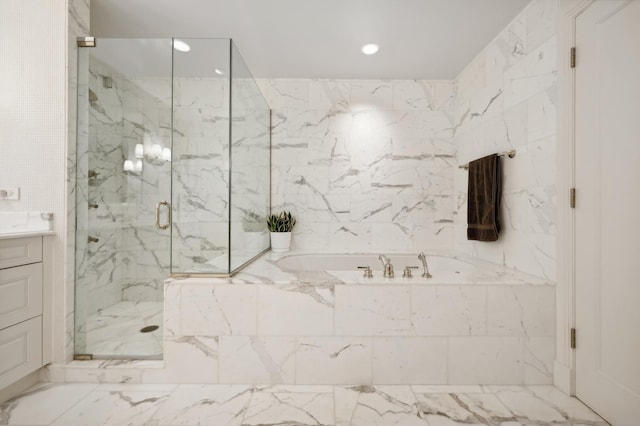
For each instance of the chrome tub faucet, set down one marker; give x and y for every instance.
(387, 266)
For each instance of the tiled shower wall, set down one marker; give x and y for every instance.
(364, 164)
(507, 99)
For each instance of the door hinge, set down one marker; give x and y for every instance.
(572, 57)
(572, 198)
(573, 338)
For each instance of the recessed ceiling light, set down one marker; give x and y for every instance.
(219, 71)
(370, 49)
(181, 46)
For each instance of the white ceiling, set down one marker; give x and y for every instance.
(419, 39)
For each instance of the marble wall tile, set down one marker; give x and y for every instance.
(409, 360)
(518, 71)
(189, 359)
(449, 310)
(367, 311)
(218, 310)
(333, 360)
(539, 355)
(485, 360)
(257, 360)
(309, 310)
(349, 155)
(521, 310)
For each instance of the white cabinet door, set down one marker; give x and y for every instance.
(20, 294)
(20, 350)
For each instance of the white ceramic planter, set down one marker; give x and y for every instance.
(280, 241)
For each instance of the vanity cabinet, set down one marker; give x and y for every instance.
(21, 307)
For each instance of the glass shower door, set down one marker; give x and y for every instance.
(122, 197)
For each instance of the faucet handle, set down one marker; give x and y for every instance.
(368, 273)
(407, 271)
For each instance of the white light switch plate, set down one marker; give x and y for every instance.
(10, 193)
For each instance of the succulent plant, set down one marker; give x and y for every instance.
(281, 222)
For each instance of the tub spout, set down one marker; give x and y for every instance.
(387, 267)
(422, 257)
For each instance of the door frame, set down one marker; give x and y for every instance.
(564, 368)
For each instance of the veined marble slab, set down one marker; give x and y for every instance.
(25, 222)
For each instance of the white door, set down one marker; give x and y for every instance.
(607, 156)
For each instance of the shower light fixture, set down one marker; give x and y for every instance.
(139, 151)
(370, 49)
(166, 154)
(181, 46)
(156, 151)
(219, 71)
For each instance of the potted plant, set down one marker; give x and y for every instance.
(254, 231)
(280, 226)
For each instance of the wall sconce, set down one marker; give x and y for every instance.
(138, 166)
(128, 166)
(139, 151)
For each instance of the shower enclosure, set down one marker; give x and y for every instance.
(173, 176)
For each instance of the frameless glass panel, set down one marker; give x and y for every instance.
(200, 193)
(250, 163)
(123, 172)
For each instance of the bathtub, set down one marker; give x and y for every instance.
(350, 262)
(313, 319)
(445, 269)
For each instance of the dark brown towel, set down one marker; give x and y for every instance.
(483, 201)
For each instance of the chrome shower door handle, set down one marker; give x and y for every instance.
(158, 224)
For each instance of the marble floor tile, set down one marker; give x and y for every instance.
(247, 405)
(43, 403)
(115, 407)
(290, 408)
(204, 404)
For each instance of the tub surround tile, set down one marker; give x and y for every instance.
(308, 308)
(333, 360)
(449, 310)
(367, 311)
(409, 360)
(257, 360)
(218, 311)
(521, 311)
(539, 355)
(486, 360)
(189, 359)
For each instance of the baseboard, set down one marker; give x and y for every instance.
(19, 387)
